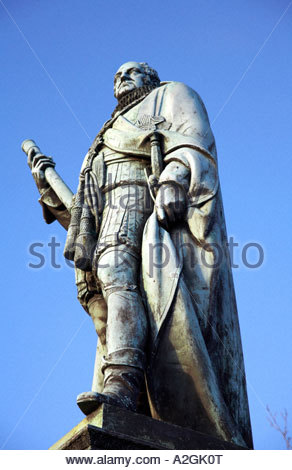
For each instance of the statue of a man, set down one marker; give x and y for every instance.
(147, 234)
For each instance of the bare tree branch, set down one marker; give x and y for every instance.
(272, 418)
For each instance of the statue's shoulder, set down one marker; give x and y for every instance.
(178, 93)
(180, 90)
(177, 87)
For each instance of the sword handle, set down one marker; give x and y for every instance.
(156, 157)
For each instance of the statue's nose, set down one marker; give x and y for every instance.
(125, 75)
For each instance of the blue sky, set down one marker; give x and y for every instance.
(57, 65)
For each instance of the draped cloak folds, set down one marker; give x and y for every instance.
(195, 376)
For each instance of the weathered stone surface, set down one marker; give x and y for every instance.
(114, 428)
(147, 235)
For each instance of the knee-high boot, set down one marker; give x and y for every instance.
(123, 367)
(123, 376)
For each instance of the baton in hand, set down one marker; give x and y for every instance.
(53, 178)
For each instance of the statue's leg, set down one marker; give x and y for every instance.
(126, 325)
(97, 309)
(126, 209)
(126, 330)
(91, 299)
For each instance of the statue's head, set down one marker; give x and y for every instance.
(133, 75)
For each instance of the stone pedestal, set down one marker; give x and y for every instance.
(114, 428)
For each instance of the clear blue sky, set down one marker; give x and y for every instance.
(57, 65)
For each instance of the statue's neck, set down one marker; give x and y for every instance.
(126, 102)
(133, 96)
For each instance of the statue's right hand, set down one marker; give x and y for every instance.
(38, 165)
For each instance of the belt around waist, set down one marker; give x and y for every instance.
(118, 158)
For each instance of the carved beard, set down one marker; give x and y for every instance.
(133, 96)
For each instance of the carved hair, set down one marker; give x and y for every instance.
(151, 74)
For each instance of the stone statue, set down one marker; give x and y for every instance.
(147, 234)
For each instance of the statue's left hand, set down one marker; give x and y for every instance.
(170, 204)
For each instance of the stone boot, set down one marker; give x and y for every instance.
(123, 376)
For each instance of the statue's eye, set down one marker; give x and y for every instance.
(134, 71)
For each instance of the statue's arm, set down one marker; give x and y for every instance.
(53, 207)
(189, 178)
(171, 198)
(190, 172)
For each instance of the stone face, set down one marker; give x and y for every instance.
(114, 428)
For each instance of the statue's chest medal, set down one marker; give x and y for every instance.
(148, 121)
